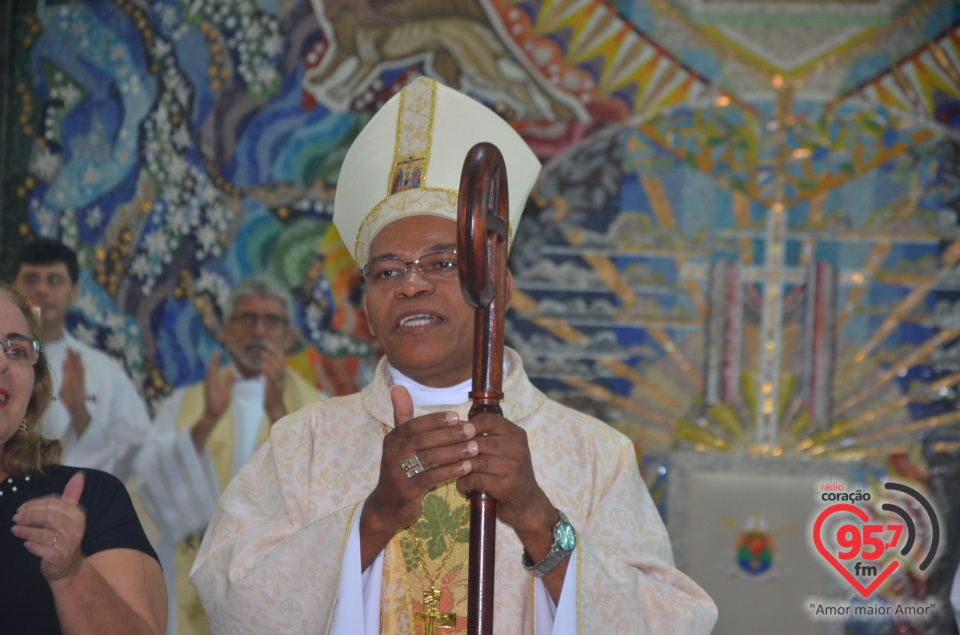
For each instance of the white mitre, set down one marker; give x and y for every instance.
(407, 160)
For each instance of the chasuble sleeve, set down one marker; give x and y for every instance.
(627, 581)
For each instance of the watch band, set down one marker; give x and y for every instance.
(557, 553)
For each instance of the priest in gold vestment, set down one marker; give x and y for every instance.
(204, 433)
(352, 519)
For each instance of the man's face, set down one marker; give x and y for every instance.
(258, 323)
(423, 323)
(48, 287)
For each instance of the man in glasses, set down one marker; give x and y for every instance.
(98, 414)
(203, 434)
(353, 518)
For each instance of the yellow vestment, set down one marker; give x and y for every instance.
(296, 393)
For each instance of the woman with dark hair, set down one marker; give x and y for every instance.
(75, 558)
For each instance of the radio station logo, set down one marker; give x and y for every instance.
(865, 543)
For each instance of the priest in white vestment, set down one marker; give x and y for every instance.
(352, 519)
(204, 433)
(98, 415)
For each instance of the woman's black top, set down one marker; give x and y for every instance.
(26, 603)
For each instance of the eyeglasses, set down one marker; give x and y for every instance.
(271, 322)
(21, 351)
(388, 272)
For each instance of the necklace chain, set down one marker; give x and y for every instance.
(430, 617)
(418, 544)
(443, 562)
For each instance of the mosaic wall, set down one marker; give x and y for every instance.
(744, 239)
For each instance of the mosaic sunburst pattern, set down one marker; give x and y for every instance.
(830, 231)
(622, 275)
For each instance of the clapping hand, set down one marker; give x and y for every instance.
(52, 528)
(274, 368)
(217, 392)
(73, 391)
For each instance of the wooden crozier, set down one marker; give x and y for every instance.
(483, 227)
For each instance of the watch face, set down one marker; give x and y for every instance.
(566, 537)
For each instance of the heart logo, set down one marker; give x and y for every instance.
(829, 557)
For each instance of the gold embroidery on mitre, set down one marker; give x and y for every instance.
(437, 201)
(411, 151)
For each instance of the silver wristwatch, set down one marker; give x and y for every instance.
(564, 542)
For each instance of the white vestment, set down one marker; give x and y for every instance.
(179, 485)
(118, 419)
(271, 559)
(364, 589)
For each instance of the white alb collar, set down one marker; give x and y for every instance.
(425, 396)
